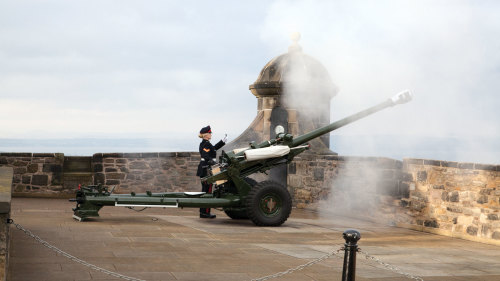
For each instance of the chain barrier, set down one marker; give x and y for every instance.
(389, 266)
(300, 267)
(279, 274)
(73, 258)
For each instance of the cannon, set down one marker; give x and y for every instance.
(266, 203)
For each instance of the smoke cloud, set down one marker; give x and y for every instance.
(446, 54)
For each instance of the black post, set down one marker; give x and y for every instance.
(351, 237)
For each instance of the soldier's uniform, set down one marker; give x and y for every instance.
(208, 154)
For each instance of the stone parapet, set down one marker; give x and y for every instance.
(455, 199)
(36, 173)
(141, 172)
(330, 179)
(6, 174)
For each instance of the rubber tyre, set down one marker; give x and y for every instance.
(240, 214)
(268, 204)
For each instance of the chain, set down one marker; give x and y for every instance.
(133, 209)
(390, 267)
(300, 267)
(73, 258)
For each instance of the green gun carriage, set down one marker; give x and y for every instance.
(266, 203)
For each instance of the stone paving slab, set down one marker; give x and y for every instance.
(174, 244)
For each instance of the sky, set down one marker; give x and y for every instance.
(164, 69)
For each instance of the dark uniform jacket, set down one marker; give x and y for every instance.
(207, 152)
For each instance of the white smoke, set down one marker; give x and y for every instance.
(446, 54)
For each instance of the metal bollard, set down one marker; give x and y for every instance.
(351, 237)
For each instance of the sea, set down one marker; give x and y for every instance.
(471, 149)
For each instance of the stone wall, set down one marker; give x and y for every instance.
(6, 174)
(141, 172)
(356, 185)
(36, 173)
(449, 198)
(454, 199)
(54, 175)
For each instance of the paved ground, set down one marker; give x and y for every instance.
(174, 244)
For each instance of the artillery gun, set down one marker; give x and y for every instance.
(267, 203)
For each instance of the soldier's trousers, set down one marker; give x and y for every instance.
(205, 188)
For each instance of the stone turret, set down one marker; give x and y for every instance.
(292, 90)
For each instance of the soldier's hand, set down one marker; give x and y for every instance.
(225, 138)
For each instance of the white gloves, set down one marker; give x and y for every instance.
(225, 138)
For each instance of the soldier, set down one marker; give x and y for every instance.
(208, 155)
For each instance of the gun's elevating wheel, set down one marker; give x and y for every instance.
(268, 204)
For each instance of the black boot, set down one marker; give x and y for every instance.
(207, 216)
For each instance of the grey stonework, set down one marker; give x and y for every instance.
(462, 199)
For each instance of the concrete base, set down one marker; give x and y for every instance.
(175, 244)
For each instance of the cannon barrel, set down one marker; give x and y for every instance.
(400, 98)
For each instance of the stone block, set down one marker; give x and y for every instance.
(454, 197)
(19, 188)
(52, 168)
(131, 155)
(16, 178)
(112, 182)
(432, 163)
(167, 154)
(115, 176)
(319, 174)
(149, 155)
(454, 209)
(180, 161)
(99, 178)
(493, 217)
(466, 166)
(97, 158)
(422, 176)
(26, 179)
(20, 170)
(472, 230)
(431, 223)
(449, 164)
(32, 168)
(413, 161)
(40, 180)
(485, 167)
(112, 155)
(138, 165)
(482, 199)
(97, 168)
(57, 179)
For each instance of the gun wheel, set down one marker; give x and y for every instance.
(240, 213)
(269, 204)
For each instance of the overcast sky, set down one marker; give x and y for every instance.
(166, 68)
